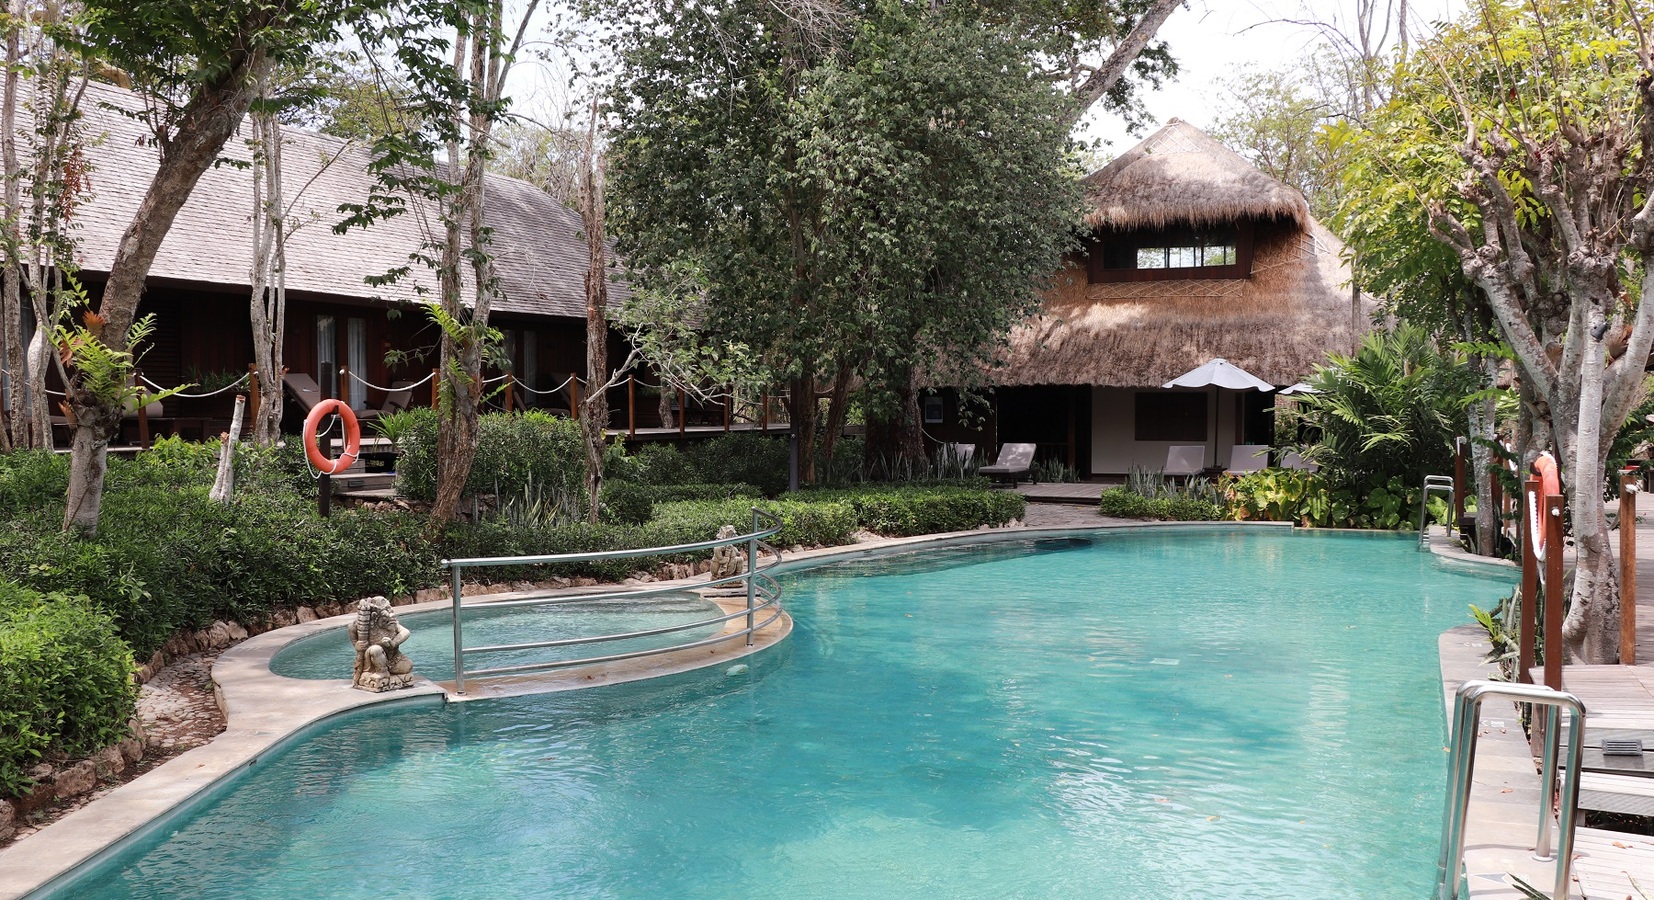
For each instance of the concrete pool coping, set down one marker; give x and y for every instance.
(264, 710)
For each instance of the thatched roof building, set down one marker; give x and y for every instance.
(1281, 300)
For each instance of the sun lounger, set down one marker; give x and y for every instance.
(1185, 460)
(1014, 462)
(1248, 458)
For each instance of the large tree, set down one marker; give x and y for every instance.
(1541, 112)
(876, 193)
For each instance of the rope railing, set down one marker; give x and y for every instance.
(229, 387)
(343, 370)
(546, 392)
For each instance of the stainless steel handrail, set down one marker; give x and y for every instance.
(1467, 707)
(1433, 483)
(759, 585)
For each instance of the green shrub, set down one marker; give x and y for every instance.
(903, 510)
(630, 503)
(1311, 499)
(30, 479)
(65, 681)
(1125, 504)
(513, 450)
(652, 464)
(804, 522)
(741, 457)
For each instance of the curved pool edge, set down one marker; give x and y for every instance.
(264, 710)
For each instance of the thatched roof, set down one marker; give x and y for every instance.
(1277, 324)
(1180, 176)
(538, 248)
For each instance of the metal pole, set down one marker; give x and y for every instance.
(1530, 590)
(1628, 569)
(324, 495)
(792, 459)
(1553, 592)
(752, 567)
(1547, 786)
(1458, 483)
(459, 640)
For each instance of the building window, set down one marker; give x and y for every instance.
(935, 412)
(1166, 416)
(1171, 254)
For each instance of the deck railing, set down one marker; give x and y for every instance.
(763, 596)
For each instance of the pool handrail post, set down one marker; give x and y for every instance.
(1553, 592)
(1460, 446)
(1530, 590)
(1467, 704)
(1433, 483)
(752, 576)
(459, 639)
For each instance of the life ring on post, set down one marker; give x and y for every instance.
(1550, 484)
(353, 437)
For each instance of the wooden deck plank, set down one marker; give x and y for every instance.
(1606, 863)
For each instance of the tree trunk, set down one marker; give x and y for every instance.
(268, 309)
(88, 461)
(838, 409)
(17, 430)
(1590, 633)
(802, 408)
(896, 442)
(223, 485)
(594, 414)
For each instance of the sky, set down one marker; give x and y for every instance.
(1214, 39)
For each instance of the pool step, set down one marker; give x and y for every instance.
(354, 481)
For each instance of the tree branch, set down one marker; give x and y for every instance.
(1105, 77)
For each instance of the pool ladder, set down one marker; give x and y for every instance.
(1467, 720)
(1439, 483)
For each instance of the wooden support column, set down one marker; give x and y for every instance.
(1530, 594)
(1553, 591)
(631, 406)
(1458, 481)
(1628, 568)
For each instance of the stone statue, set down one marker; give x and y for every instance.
(728, 560)
(378, 637)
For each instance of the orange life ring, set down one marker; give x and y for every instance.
(1550, 484)
(353, 437)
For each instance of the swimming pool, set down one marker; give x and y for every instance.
(1147, 714)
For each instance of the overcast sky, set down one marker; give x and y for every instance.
(1213, 39)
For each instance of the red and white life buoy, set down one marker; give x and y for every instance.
(353, 437)
(1550, 484)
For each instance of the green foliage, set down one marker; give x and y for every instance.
(398, 425)
(1122, 503)
(902, 510)
(1504, 649)
(793, 187)
(513, 449)
(824, 523)
(30, 479)
(1054, 471)
(1311, 499)
(1390, 411)
(630, 503)
(65, 681)
(740, 458)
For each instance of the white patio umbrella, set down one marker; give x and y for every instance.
(1219, 373)
(1299, 388)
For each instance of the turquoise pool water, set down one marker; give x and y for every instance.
(430, 641)
(1147, 715)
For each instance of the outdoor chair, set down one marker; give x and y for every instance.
(1014, 462)
(304, 390)
(1248, 458)
(1292, 459)
(1185, 460)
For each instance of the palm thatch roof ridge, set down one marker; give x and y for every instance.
(1181, 176)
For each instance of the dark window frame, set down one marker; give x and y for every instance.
(1098, 246)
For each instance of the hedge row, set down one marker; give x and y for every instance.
(65, 677)
(900, 511)
(633, 503)
(1124, 504)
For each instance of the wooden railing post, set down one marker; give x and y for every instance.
(727, 399)
(683, 412)
(344, 384)
(509, 384)
(764, 412)
(253, 396)
(1530, 593)
(143, 413)
(1553, 591)
(1628, 568)
(574, 394)
(631, 406)
(436, 388)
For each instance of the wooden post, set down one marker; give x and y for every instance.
(1498, 496)
(1458, 482)
(509, 383)
(1628, 568)
(1072, 429)
(683, 412)
(574, 394)
(727, 398)
(764, 412)
(1530, 594)
(143, 414)
(1553, 591)
(252, 394)
(435, 388)
(344, 384)
(631, 406)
